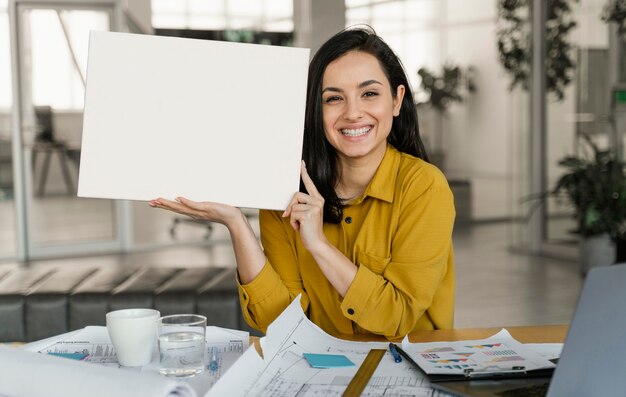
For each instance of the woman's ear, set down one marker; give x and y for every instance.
(397, 100)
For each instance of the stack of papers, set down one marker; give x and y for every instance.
(285, 371)
(84, 362)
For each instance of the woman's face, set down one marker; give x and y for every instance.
(358, 107)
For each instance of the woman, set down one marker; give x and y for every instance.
(367, 241)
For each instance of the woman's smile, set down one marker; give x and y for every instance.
(356, 132)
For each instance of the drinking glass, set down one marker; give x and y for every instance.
(181, 345)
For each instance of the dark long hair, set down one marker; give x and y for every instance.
(320, 157)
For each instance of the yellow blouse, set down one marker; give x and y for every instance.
(399, 234)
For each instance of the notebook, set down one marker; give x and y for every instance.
(592, 361)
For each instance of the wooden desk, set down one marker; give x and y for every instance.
(525, 334)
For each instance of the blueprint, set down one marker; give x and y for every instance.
(284, 372)
(93, 345)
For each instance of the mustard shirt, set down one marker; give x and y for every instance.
(399, 234)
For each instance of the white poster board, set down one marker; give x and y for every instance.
(206, 120)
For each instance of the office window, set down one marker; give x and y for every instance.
(260, 15)
(56, 80)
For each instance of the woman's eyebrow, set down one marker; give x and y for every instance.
(361, 85)
(369, 82)
(333, 89)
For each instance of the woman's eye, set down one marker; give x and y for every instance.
(370, 93)
(332, 99)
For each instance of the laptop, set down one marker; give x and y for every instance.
(593, 361)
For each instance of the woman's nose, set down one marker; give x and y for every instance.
(353, 110)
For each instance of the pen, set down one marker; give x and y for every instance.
(394, 352)
(495, 371)
(213, 363)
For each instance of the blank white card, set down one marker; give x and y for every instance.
(206, 120)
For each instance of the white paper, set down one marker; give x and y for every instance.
(207, 120)
(32, 374)
(498, 353)
(549, 351)
(94, 341)
(284, 372)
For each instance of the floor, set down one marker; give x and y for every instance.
(498, 287)
(495, 286)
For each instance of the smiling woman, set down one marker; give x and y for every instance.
(367, 241)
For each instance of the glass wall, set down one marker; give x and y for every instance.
(55, 44)
(8, 247)
(49, 62)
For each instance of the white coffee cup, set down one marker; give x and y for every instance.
(133, 333)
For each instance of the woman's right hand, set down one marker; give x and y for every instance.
(214, 212)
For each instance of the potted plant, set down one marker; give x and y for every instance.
(513, 40)
(438, 92)
(595, 184)
(614, 11)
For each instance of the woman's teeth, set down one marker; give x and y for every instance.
(356, 132)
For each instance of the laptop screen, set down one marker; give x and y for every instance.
(592, 362)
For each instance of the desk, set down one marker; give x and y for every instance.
(525, 334)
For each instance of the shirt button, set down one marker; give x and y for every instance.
(350, 311)
(349, 220)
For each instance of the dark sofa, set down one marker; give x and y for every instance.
(41, 301)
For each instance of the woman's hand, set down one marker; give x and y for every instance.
(307, 213)
(214, 212)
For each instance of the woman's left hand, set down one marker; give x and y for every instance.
(307, 213)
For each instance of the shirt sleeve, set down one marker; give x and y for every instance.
(265, 297)
(415, 286)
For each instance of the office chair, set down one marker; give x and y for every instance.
(46, 143)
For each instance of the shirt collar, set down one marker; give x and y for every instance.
(382, 184)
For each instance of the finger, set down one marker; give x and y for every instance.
(190, 203)
(175, 206)
(288, 209)
(308, 182)
(298, 198)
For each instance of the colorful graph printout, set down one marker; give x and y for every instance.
(500, 353)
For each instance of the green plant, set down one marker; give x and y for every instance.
(513, 35)
(615, 11)
(595, 184)
(444, 89)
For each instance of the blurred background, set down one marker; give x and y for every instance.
(505, 89)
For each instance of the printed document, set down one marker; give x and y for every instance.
(43, 373)
(284, 372)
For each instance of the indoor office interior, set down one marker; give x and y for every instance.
(497, 114)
